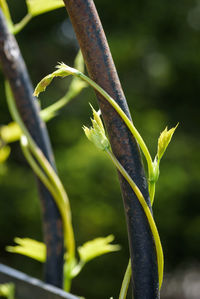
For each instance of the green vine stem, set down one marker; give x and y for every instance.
(19, 26)
(5, 9)
(64, 70)
(126, 281)
(127, 121)
(147, 211)
(132, 129)
(47, 175)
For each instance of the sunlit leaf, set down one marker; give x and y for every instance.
(29, 247)
(164, 140)
(96, 133)
(37, 7)
(63, 70)
(97, 247)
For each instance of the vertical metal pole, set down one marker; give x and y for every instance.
(16, 73)
(101, 69)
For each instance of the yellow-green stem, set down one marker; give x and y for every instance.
(19, 26)
(5, 9)
(152, 187)
(68, 232)
(63, 202)
(52, 109)
(126, 281)
(147, 211)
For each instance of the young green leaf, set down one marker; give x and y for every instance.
(96, 133)
(164, 140)
(29, 247)
(75, 88)
(62, 71)
(37, 7)
(97, 247)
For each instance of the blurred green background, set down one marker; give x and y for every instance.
(155, 46)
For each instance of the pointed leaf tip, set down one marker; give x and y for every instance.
(96, 133)
(97, 247)
(164, 140)
(42, 85)
(29, 247)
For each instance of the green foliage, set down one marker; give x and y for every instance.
(164, 140)
(167, 30)
(96, 247)
(63, 70)
(7, 290)
(4, 153)
(10, 133)
(29, 247)
(36, 7)
(96, 133)
(87, 252)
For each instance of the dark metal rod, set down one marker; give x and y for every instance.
(27, 287)
(15, 71)
(101, 69)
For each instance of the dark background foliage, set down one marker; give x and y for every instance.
(155, 46)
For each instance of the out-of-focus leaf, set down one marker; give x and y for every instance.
(4, 153)
(29, 247)
(7, 290)
(10, 132)
(77, 84)
(6, 12)
(97, 247)
(37, 7)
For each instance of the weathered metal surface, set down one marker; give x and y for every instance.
(27, 287)
(16, 73)
(101, 69)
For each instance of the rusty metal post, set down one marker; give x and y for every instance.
(101, 69)
(16, 73)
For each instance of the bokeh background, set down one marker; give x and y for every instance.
(156, 47)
